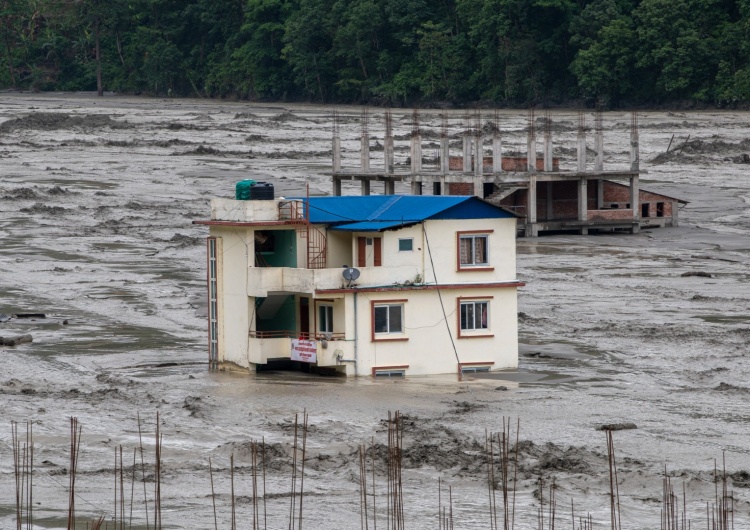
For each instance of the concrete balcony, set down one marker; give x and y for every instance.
(264, 280)
(260, 350)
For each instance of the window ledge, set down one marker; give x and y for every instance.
(393, 339)
(483, 336)
(472, 269)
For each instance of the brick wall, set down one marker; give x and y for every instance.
(460, 188)
(610, 215)
(510, 163)
(614, 192)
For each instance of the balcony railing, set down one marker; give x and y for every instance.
(290, 334)
(262, 280)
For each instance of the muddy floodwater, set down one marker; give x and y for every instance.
(97, 197)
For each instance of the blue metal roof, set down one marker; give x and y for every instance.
(370, 226)
(381, 212)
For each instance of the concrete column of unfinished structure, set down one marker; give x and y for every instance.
(599, 143)
(479, 163)
(635, 200)
(388, 143)
(548, 163)
(583, 202)
(497, 153)
(634, 150)
(416, 154)
(467, 152)
(581, 151)
(444, 154)
(531, 227)
(365, 186)
(364, 154)
(336, 148)
(531, 152)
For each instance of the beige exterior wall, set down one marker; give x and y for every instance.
(425, 344)
(442, 237)
(427, 348)
(234, 304)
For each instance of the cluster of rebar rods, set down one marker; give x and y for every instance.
(395, 492)
(507, 473)
(299, 447)
(502, 461)
(23, 472)
(445, 513)
(75, 446)
(614, 485)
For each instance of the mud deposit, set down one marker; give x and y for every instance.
(96, 202)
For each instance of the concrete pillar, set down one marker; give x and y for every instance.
(548, 163)
(531, 228)
(336, 148)
(478, 187)
(581, 143)
(443, 189)
(416, 154)
(635, 197)
(365, 186)
(497, 154)
(531, 153)
(478, 157)
(445, 156)
(336, 187)
(599, 145)
(583, 199)
(364, 154)
(388, 151)
(467, 153)
(416, 187)
(634, 152)
(599, 194)
(390, 187)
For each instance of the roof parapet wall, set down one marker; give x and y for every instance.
(258, 211)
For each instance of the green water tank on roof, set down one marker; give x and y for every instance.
(242, 190)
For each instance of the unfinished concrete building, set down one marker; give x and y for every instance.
(547, 199)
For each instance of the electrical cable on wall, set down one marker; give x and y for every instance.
(440, 296)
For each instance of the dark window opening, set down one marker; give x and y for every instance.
(659, 209)
(264, 241)
(644, 210)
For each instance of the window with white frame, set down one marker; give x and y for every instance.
(473, 250)
(388, 318)
(474, 315)
(325, 318)
(406, 244)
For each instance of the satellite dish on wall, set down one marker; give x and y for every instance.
(350, 274)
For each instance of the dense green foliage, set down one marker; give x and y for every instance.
(510, 52)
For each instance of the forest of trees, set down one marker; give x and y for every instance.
(394, 52)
